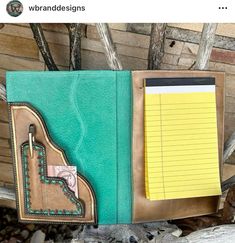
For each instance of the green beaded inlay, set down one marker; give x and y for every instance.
(42, 170)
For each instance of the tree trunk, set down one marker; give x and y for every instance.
(205, 46)
(75, 46)
(43, 46)
(156, 47)
(109, 47)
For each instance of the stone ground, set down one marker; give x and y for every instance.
(11, 231)
(14, 232)
(204, 229)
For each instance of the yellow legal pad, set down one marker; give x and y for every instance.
(181, 144)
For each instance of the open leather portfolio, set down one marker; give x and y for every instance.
(114, 147)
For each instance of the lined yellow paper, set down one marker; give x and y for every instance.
(181, 145)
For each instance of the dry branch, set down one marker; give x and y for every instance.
(43, 46)
(156, 46)
(6, 193)
(228, 183)
(109, 47)
(229, 147)
(205, 46)
(3, 92)
(75, 46)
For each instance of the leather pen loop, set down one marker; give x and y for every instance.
(31, 138)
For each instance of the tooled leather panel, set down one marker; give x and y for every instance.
(21, 117)
(144, 209)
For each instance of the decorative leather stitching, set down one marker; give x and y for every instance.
(42, 170)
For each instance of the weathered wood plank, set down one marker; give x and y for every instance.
(4, 130)
(6, 173)
(229, 124)
(230, 107)
(193, 37)
(139, 28)
(5, 159)
(95, 45)
(2, 76)
(94, 60)
(3, 111)
(5, 152)
(217, 55)
(61, 52)
(18, 46)
(121, 37)
(224, 38)
(4, 143)
(230, 85)
(16, 63)
(130, 40)
(170, 59)
(227, 68)
(223, 29)
(52, 35)
(55, 27)
(16, 30)
(188, 61)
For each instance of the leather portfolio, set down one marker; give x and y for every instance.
(78, 141)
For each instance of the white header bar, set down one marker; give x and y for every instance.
(179, 89)
(116, 11)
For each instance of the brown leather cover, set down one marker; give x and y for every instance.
(45, 197)
(143, 209)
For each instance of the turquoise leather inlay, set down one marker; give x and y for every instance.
(88, 114)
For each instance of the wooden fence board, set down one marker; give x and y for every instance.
(19, 63)
(4, 111)
(5, 159)
(5, 152)
(18, 46)
(6, 173)
(4, 143)
(121, 37)
(16, 30)
(4, 130)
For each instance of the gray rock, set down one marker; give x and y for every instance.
(25, 234)
(38, 237)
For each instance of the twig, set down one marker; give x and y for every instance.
(7, 194)
(3, 92)
(205, 46)
(156, 46)
(228, 183)
(110, 50)
(229, 147)
(75, 46)
(43, 46)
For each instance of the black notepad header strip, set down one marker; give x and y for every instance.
(179, 81)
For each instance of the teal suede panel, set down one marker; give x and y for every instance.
(124, 128)
(88, 114)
